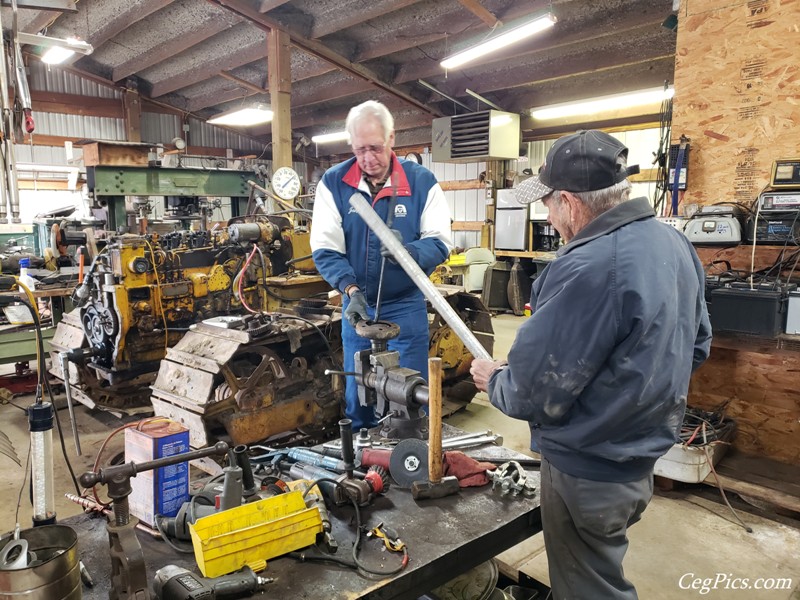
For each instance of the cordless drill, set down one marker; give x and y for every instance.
(176, 583)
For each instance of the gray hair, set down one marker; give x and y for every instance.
(370, 109)
(599, 201)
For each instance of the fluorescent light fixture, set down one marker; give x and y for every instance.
(339, 136)
(243, 117)
(56, 55)
(602, 104)
(501, 41)
(58, 50)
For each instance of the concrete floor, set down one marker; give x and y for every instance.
(680, 533)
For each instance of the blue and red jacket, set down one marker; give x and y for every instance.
(346, 252)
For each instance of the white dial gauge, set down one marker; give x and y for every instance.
(286, 183)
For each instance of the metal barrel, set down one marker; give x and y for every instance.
(55, 571)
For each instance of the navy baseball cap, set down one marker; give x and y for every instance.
(581, 162)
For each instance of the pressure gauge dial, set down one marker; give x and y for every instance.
(286, 183)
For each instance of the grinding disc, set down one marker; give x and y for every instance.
(409, 462)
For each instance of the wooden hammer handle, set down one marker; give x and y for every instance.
(435, 419)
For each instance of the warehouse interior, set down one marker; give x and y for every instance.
(162, 292)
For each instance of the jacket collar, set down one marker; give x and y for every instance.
(353, 177)
(611, 220)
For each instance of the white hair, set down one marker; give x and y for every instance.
(599, 201)
(371, 109)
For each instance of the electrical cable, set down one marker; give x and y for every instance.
(174, 545)
(44, 384)
(96, 465)
(24, 479)
(319, 331)
(359, 528)
(241, 278)
(158, 286)
(722, 491)
(61, 438)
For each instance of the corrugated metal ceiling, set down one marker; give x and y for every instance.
(189, 54)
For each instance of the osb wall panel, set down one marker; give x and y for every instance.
(740, 257)
(761, 385)
(762, 396)
(737, 94)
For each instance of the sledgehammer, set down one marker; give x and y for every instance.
(437, 487)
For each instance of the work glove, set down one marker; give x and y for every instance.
(385, 251)
(357, 308)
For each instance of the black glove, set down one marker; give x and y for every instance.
(357, 308)
(385, 251)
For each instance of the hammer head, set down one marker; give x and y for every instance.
(423, 490)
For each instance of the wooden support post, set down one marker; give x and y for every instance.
(280, 91)
(132, 108)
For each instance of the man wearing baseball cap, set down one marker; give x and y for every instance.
(601, 369)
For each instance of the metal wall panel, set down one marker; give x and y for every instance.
(465, 205)
(203, 134)
(160, 128)
(52, 79)
(76, 126)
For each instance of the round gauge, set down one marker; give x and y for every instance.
(286, 183)
(414, 157)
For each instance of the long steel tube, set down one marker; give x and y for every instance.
(65, 367)
(409, 265)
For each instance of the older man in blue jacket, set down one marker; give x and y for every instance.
(601, 369)
(349, 256)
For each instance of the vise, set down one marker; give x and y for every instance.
(397, 393)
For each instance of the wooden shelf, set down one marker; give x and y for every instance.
(754, 343)
(756, 477)
(547, 256)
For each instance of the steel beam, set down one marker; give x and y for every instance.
(143, 181)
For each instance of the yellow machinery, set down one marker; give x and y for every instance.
(146, 293)
(227, 330)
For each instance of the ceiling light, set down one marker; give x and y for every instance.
(339, 136)
(501, 41)
(58, 50)
(243, 117)
(602, 104)
(56, 55)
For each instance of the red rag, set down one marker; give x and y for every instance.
(468, 471)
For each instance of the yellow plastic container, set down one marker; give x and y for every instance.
(253, 533)
(457, 259)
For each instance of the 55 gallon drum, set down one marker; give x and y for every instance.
(52, 571)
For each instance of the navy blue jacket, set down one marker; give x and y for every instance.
(345, 251)
(601, 369)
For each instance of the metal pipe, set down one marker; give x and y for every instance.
(486, 101)
(9, 160)
(419, 278)
(130, 469)
(65, 368)
(436, 90)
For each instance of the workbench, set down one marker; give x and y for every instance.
(18, 342)
(445, 537)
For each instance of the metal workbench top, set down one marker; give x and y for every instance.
(445, 538)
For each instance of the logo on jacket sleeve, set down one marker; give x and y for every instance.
(400, 211)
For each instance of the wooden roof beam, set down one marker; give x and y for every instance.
(317, 49)
(479, 11)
